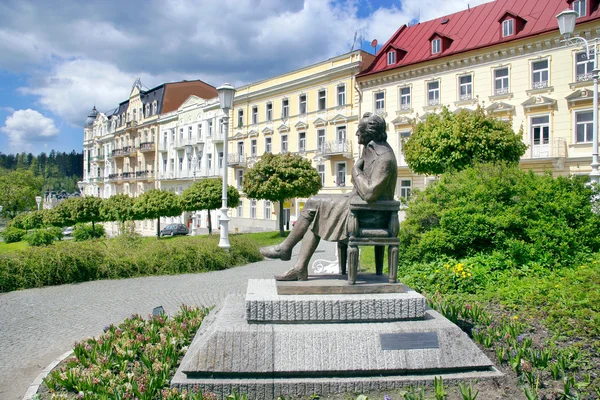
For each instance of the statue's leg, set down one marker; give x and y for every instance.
(310, 242)
(283, 251)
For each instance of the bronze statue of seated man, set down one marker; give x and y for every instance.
(374, 178)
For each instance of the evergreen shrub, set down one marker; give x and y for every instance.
(43, 236)
(85, 232)
(13, 235)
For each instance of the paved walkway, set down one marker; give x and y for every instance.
(38, 325)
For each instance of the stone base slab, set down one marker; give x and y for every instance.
(338, 284)
(265, 305)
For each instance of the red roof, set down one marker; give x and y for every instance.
(475, 28)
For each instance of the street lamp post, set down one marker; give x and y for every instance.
(226, 92)
(38, 200)
(566, 25)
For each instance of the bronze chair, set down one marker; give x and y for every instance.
(371, 224)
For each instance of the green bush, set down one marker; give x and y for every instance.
(123, 257)
(85, 232)
(13, 235)
(41, 237)
(517, 217)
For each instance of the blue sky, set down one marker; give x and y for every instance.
(58, 59)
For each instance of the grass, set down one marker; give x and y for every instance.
(12, 247)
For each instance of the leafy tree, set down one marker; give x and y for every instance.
(452, 142)
(280, 177)
(206, 194)
(17, 192)
(157, 203)
(81, 210)
(119, 207)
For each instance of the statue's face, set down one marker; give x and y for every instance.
(364, 137)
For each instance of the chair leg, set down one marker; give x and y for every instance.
(352, 264)
(379, 250)
(393, 263)
(342, 249)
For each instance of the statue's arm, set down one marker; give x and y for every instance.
(371, 188)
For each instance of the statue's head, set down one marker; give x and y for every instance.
(374, 127)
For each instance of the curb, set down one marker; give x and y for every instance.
(35, 385)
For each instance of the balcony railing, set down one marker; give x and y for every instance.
(501, 91)
(146, 146)
(540, 85)
(132, 124)
(182, 142)
(144, 174)
(117, 153)
(433, 102)
(163, 146)
(405, 106)
(335, 147)
(98, 157)
(128, 175)
(466, 96)
(129, 150)
(584, 77)
(113, 177)
(236, 159)
(555, 148)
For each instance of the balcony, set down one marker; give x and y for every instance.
(555, 148)
(131, 124)
(97, 179)
(334, 148)
(433, 102)
(117, 153)
(405, 107)
(142, 175)
(114, 177)
(501, 91)
(97, 158)
(182, 142)
(127, 176)
(146, 146)
(236, 160)
(218, 137)
(540, 85)
(584, 77)
(129, 151)
(163, 146)
(465, 97)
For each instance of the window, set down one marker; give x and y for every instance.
(269, 111)
(255, 115)
(583, 67)
(501, 81)
(405, 98)
(540, 73)
(267, 209)
(340, 135)
(253, 150)
(321, 139)
(164, 165)
(134, 115)
(322, 99)
(508, 27)
(465, 84)
(172, 165)
(379, 102)
(180, 135)
(302, 141)
(209, 161)
(147, 110)
(302, 102)
(240, 148)
(253, 209)
(221, 126)
(433, 93)
(180, 164)
(240, 178)
(579, 7)
(200, 131)
(391, 57)
(540, 130)
(405, 188)
(154, 107)
(240, 118)
(321, 170)
(189, 164)
(240, 209)
(284, 144)
(341, 95)
(583, 127)
(210, 128)
(220, 160)
(268, 148)
(436, 46)
(285, 108)
(340, 174)
(190, 133)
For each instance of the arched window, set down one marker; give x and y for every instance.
(147, 110)
(154, 107)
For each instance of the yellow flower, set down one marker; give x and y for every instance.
(437, 270)
(469, 274)
(556, 286)
(516, 317)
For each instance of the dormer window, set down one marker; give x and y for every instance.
(579, 6)
(508, 27)
(391, 57)
(436, 46)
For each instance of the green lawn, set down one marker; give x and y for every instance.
(11, 247)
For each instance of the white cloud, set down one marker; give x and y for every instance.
(26, 128)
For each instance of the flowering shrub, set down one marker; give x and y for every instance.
(133, 360)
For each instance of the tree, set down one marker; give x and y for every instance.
(453, 142)
(119, 207)
(280, 177)
(206, 194)
(81, 210)
(17, 192)
(157, 203)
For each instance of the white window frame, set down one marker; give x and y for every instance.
(539, 73)
(302, 141)
(240, 117)
(579, 6)
(269, 111)
(285, 108)
(436, 46)
(539, 125)
(302, 104)
(405, 189)
(240, 209)
(433, 94)
(209, 161)
(268, 145)
(267, 210)
(210, 128)
(404, 99)
(323, 97)
(253, 209)
(254, 115)
(391, 57)
(253, 147)
(239, 178)
(147, 111)
(321, 135)
(508, 27)
(341, 94)
(466, 87)
(200, 130)
(503, 80)
(588, 66)
(379, 99)
(339, 180)
(321, 171)
(154, 107)
(588, 130)
(284, 144)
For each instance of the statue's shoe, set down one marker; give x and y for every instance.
(293, 275)
(276, 252)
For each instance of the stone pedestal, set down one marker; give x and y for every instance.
(269, 344)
